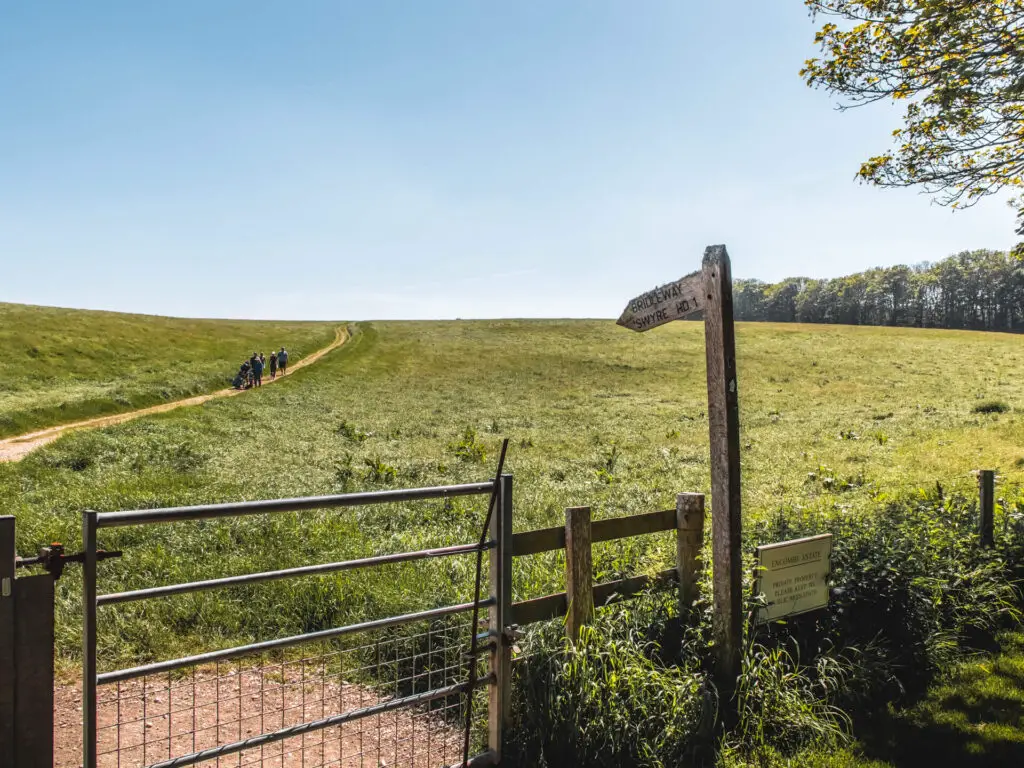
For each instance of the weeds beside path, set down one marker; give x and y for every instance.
(16, 448)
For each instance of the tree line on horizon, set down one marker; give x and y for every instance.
(971, 290)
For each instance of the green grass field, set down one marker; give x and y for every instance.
(833, 419)
(831, 416)
(61, 365)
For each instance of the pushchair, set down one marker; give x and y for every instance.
(244, 378)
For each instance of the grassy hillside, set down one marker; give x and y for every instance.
(832, 418)
(60, 365)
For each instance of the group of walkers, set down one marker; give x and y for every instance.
(250, 374)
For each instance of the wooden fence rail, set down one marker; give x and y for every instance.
(577, 537)
(26, 604)
(26, 612)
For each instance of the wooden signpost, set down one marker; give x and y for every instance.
(710, 291)
(674, 301)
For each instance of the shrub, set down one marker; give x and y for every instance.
(351, 432)
(469, 448)
(913, 592)
(991, 406)
(605, 701)
(781, 707)
(609, 460)
(344, 473)
(379, 472)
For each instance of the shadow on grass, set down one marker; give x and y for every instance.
(974, 719)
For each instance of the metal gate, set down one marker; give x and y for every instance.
(390, 691)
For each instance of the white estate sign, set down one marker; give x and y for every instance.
(793, 576)
(672, 301)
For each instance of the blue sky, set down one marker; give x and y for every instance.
(411, 159)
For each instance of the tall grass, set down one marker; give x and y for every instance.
(61, 365)
(913, 593)
(598, 417)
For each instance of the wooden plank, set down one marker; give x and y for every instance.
(689, 541)
(673, 301)
(554, 606)
(541, 540)
(724, 426)
(987, 507)
(579, 570)
(634, 525)
(550, 539)
(612, 591)
(33, 644)
(500, 693)
(7, 657)
(539, 609)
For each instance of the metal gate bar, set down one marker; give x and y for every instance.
(284, 642)
(302, 504)
(305, 570)
(93, 521)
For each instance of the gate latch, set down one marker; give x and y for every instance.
(53, 558)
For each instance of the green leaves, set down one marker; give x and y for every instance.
(469, 449)
(957, 65)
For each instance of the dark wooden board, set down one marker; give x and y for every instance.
(33, 648)
(550, 539)
(553, 606)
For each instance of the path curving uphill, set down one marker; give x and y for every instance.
(16, 448)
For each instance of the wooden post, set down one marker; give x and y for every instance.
(499, 703)
(89, 702)
(7, 666)
(724, 426)
(579, 572)
(987, 506)
(33, 702)
(689, 540)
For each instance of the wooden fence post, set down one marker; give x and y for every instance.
(987, 507)
(26, 661)
(7, 667)
(499, 703)
(724, 428)
(579, 571)
(689, 540)
(33, 654)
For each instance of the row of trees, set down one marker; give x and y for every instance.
(980, 290)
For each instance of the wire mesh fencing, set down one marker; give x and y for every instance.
(397, 696)
(392, 690)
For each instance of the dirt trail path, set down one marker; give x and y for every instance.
(16, 448)
(141, 724)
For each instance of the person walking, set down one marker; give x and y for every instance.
(257, 369)
(273, 365)
(282, 360)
